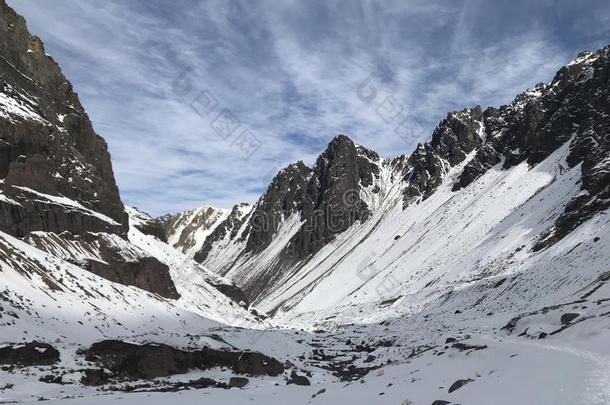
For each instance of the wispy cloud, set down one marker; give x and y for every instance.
(289, 72)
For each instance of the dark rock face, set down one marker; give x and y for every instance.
(286, 194)
(583, 101)
(29, 354)
(486, 157)
(423, 174)
(333, 200)
(455, 137)
(31, 212)
(327, 198)
(128, 361)
(146, 273)
(151, 226)
(48, 145)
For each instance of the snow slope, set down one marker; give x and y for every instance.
(194, 282)
(442, 244)
(449, 239)
(49, 299)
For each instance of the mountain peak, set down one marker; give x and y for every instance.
(340, 139)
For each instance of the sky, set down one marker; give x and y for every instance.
(202, 102)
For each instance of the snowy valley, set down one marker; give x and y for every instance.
(474, 270)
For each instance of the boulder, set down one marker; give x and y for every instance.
(132, 361)
(298, 379)
(568, 317)
(459, 384)
(238, 382)
(29, 354)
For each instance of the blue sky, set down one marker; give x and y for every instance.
(203, 101)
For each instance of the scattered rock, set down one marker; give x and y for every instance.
(464, 346)
(501, 281)
(322, 391)
(569, 317)
(459, 384)
(450, 340)
(51, 379)
(298, 379)
(95, 377)
(238, 382)
(171, 386)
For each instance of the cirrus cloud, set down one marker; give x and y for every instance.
(289, 72)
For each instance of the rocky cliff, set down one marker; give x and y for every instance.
(47, 142)
(57, 187)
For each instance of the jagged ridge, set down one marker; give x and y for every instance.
(573, 107)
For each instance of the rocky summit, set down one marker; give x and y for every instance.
(473, 270)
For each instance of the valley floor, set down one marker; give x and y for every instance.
(510, 371)
(414, 360)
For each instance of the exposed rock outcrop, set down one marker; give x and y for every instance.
(29, 354)
(146, 224)
(127, 361)
(111, 257)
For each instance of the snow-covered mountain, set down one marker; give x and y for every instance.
(490, 194)
(474, 266)
(187, 230)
